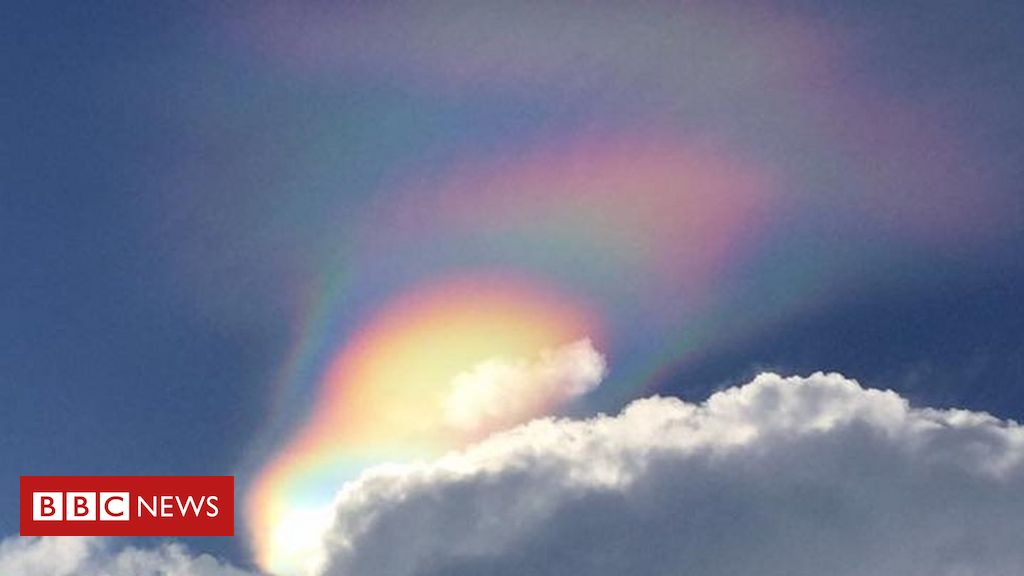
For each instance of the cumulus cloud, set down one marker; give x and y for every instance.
(72, 556)
(500, 392)
(782, 476)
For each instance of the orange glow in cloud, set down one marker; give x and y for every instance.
(382, 397)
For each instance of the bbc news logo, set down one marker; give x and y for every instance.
(116, 506)
(127, 506)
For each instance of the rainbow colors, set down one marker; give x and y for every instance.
(722, 173)
(647, 228)
(383, 395)
(507, 260)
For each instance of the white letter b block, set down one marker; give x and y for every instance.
(80, 506)
(48, 506)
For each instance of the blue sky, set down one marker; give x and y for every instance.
(177, 180)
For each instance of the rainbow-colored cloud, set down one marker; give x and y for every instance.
(708, 185)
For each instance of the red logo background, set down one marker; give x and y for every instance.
(148, 487)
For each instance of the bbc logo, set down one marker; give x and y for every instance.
(127, 506)
(80, 506)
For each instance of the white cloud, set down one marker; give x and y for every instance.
(783, 476)
(500, 392)
(798, 476)
(44, 556)
(73, 556)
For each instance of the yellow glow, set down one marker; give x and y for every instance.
(386, 389)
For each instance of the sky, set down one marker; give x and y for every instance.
(470, 287)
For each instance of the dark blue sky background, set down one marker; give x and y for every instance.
(155, 211)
